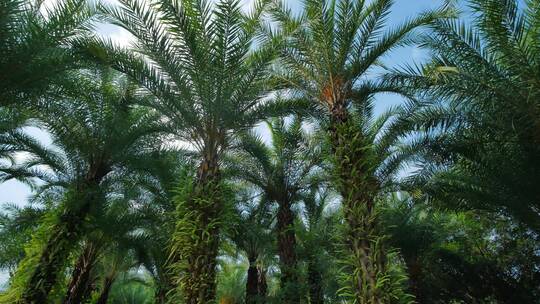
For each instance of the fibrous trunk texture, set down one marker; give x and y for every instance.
(79, 285)
(288, 259)
(106, 290)
(414, 270)
(314, 279)
(256, 286)
(50, 261)
(262, 284)
(63, 238)
(252, 283)
(50, 248)
(164, 291)
(356, 184)
(196, 239)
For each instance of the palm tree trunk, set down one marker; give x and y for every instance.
(252, 288)
(314, 279)
(414, 270)
(262, 285)
(357, 186)
(106, 290)
(79, 285)
(287, 253)
(63, 237)
(196, 238)
(164, 289)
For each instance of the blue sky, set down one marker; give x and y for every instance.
(17, 193)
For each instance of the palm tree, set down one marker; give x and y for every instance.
(34, 46)
(199, 61)
(281, 171)
(252, 235)
(117, 235)
(156, 189)
(478, 128)
(316, 235)
(451, 256)
(16, 227)
(97, 134)
(232, 279)
(327, 55)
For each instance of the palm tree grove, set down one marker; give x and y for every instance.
(269, 151)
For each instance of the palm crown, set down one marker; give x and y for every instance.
(34, 46)
(333, 45)
(479, 128)
(199, 60)
(100, 134)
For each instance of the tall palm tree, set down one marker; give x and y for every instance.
(199, 61)
(34, 46)
(281, 171)
(97, 135)
(479, 127)
(328, 54)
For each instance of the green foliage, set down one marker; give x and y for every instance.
(131, 290)
(321, 214)
(477, 131)
(16, 227)
(34, 46)
(453, 256)
(201, 215)
(231, 287)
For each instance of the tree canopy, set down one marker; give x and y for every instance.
(238, 153)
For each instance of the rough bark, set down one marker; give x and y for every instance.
(288, 259)
(252, 283)
(414, 269)
(262, 285)
(53, 256)
(315, 277)
(256, 285)
(164, 290)
(79, 285)
(105, 291)
(357, 186)
(64, 235)
(197, 234)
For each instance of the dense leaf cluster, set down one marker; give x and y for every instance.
(232, 155)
